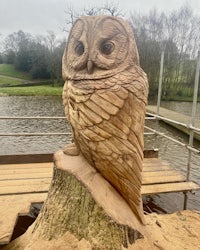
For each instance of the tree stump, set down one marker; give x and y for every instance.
(82, 202)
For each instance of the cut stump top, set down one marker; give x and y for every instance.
(101, 190)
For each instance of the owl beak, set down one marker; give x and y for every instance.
(90, 66)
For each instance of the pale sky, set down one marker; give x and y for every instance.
(39, 16)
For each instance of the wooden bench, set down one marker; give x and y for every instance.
(24, 184)
(160, 177)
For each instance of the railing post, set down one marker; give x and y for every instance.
(191, 137)
(195, 96)
(160, 82)
(159, 94)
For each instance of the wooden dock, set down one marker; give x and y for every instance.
(24, 184)
(172, 115)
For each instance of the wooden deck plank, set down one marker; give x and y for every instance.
(26, 166)
(10, 207)
(162, 179)
(169, 187)
(169, 172)
(155, 164)
(26, 158)
(156, 168)
(8, 177)
(24, 186)
(150, 163)
(24, 171)
(154, 160)
(28, 182)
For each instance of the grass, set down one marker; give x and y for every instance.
(17, 77)
(33, 90)
(8, 81)
(9, 70)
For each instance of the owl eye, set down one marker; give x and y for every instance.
(107, 47)
(79, 49)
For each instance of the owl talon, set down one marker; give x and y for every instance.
(71, 149)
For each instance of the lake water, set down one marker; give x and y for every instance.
(52, 106)
(182, 107)
(32, 106)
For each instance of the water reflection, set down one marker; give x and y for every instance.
(32, 106)
(181, 107)
(52, 106)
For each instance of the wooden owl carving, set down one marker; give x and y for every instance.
(104, 96)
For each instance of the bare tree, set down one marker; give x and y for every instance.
(179, 32)
(113, 10)
(71, 16)
(105, 9)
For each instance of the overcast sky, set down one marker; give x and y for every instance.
(39, 16)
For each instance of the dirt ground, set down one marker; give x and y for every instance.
(177, 231)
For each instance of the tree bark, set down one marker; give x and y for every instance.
(80, 201)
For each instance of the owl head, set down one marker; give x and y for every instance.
(99, 47)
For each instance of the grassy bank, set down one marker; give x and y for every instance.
(10, 78)
(33, 90)
(5, 80)
(9, 70)
(180, 98)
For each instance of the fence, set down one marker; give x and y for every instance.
(149, 116)
(190, 126)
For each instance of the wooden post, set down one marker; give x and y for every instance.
(191, 137)
(160, 81)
